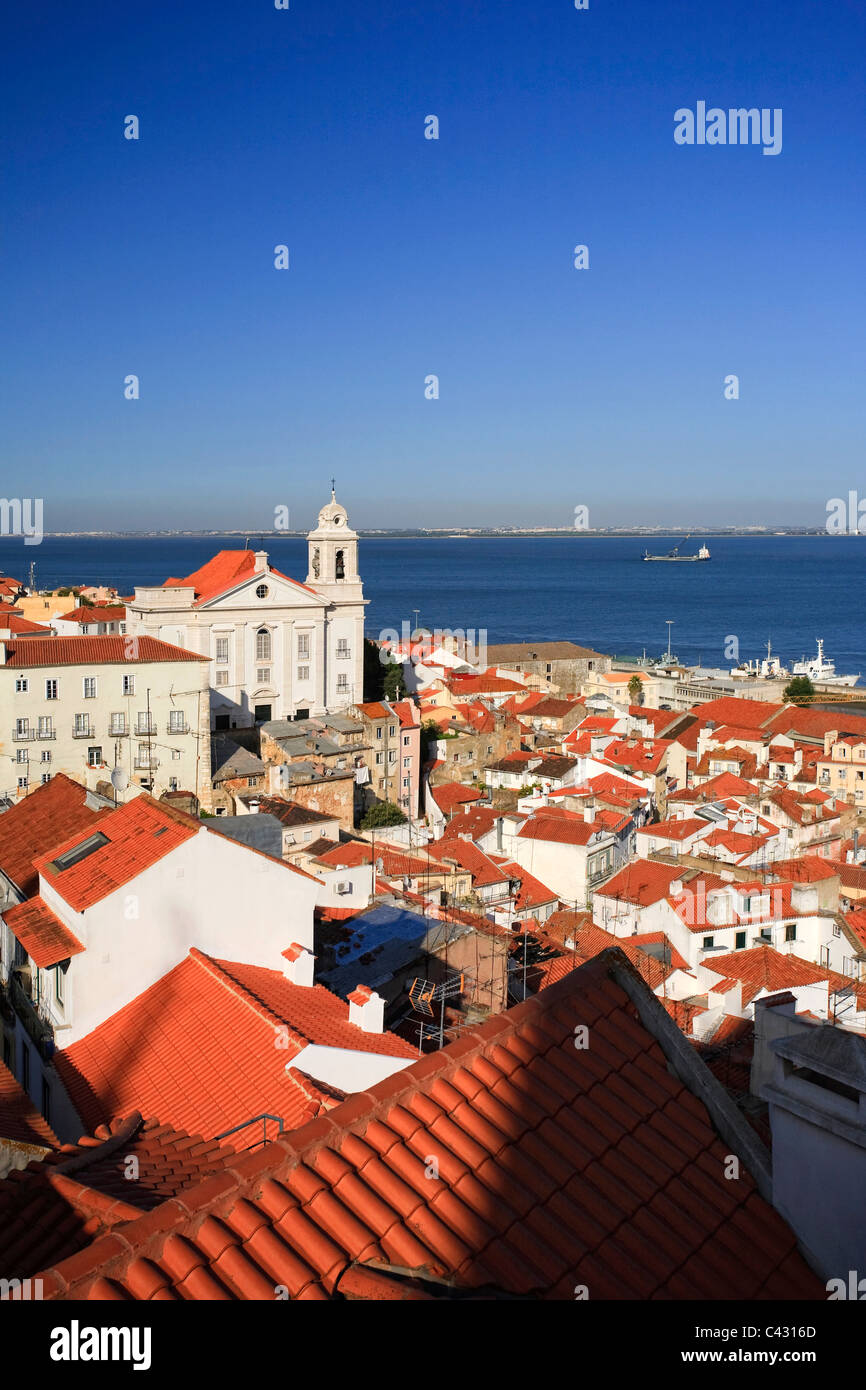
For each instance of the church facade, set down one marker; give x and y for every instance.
(278, 648)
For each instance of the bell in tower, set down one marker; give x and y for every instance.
(333, 553)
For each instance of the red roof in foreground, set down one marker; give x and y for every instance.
(557, 1166)
(56, 1207)
(31, 827)
(91, 651)
(42, 934)
(206, 1048)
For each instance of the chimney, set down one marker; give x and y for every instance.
(676, 888)
(589, 810)
(261, 562)
(299, 964)
(367, 1010)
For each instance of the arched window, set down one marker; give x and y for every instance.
(339, 566)
(316, 563)
(263, 645)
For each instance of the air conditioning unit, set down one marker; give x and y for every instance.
(344, 887)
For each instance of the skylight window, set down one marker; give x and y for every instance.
(79, 852)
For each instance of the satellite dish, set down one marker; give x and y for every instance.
(119, 779)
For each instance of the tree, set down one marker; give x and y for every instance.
(529, 951)
(797, 690)
(635, 689)
(382, 813)
(394, 684)
(430, 732)
(374, 671)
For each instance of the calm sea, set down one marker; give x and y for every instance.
(598, 592)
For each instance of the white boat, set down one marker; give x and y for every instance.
(821, 669)
(770, 669)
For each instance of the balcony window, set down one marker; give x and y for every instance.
(117, 725)
(176, 721)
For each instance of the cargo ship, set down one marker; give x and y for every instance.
(674, 556)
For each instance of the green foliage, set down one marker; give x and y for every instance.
(797, 690)
(382, 813)
(374, 672)
(635, 687)
(394, 684)
(529, 950)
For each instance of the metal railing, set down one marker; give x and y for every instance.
(173, 728)
(275, 1119)
(46, 733)
(118, 730)
(23, 735)
(79, 731)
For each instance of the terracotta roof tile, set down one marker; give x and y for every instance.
(49, 815)
(91, 651)
(533, 1139)
(44, 937)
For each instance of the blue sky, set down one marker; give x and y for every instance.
(409, 257)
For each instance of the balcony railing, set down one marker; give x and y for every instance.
(173, 728)
(118, 730)
(46, 733)
(145, 763)
(23, 735)
(145, 730)
(82, 731)
(37, 1027)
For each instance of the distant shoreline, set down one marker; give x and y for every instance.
(481, 534)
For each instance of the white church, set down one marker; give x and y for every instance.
(279, 649)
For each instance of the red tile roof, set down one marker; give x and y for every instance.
(98, 613)
(19, 626)
(20, 1121)
(44, 937)
(565, 827)
(557, 1166)
(642, 882)
(139, 833)
(54, 1208)
(48, 815)
(763, 968)
(225, 571)
(449, 795)
(92, 651)
(675, 829)
(207, 1047)
(744, 714)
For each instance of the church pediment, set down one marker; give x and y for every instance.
(281, 593)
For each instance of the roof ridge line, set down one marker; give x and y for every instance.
(246, 996)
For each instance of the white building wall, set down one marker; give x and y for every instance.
(210, 892)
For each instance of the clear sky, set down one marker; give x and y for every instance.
(410, 257)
